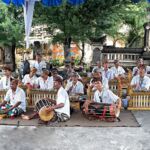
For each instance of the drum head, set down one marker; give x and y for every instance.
(44, 116)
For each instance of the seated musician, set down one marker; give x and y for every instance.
(135, 70)
(14, 103)
(74, 86)
(39, 64)
(102, 95)
(141, 82)
(5, 80)
(106, 72)
(140, 63)
(98, 66)
(61, 106)
(54, 73)
(44, 82)
(30, 79)
(117, 70)
(67, 70)
(97, 74)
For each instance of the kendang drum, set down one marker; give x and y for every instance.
(40, 106)
(102, 111)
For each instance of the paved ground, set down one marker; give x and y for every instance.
(77, 138)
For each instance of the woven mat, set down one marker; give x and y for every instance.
(77, 119)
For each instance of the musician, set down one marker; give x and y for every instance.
(39, 64)
(15, 100)
(97, 74)
(44, 82)
(30, 79)
(135, 70)
(5, 81)
(67, 71)
(103, 95)
(74, 86)
(61, 106)
(54, 73)
(141, 82)
(140, 63)
(62, 103)
(98, 66)
(117, 70)
(106, 72)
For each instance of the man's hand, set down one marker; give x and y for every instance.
(85, 106)
(137, 86)
(49, 109)
(119, 106)
(6, 111)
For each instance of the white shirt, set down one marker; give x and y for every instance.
(105, 96)
(117, 71)
(141, 84)
(39, 66)
(62, 97)
(107, 74)
(45, 85)
(27, 79)
(17, 96)
(5, 83)
(77, 88)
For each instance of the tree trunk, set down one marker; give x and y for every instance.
(114, 42)
(10, 56)
(67, 44)
(13, 56)
(83, 52)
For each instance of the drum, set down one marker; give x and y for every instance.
(77, 101)
(74, 98)
(40, 106)
(102, 111)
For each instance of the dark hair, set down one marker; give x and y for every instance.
(15, 80)
(45, 71)
(54, 70)
(74, 74)
(96, 80)
(58, 79)
(96, 70)
(116, 61)
(38, 54)
(6, 67)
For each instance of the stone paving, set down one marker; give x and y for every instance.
(78, 138)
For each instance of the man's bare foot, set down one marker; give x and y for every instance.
(25, 117)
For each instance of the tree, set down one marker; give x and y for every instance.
(11, 30)
(79, 23)
(135, 16)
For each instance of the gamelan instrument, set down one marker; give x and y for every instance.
(102, 111)
(40, 106)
